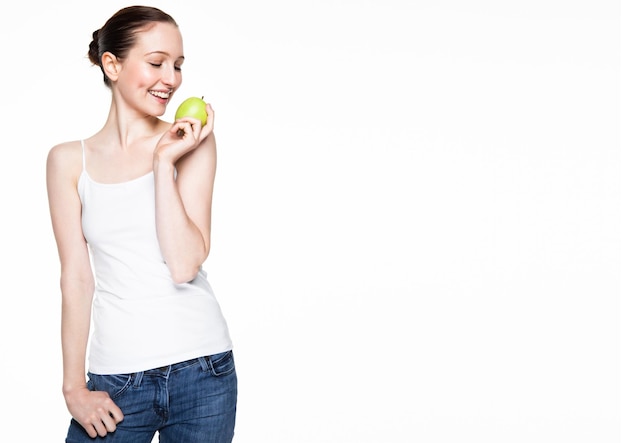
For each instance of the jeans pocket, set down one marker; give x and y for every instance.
(114, 385)
(221, 364)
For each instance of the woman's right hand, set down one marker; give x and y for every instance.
(183, 136)
(94, 410)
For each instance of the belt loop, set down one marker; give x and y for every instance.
(138, 376)
(204, 364)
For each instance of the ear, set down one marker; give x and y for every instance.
(111, 66)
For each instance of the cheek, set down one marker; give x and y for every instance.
(146, 76)
(140, 74)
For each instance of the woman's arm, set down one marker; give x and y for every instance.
(76, 278)
(94, 411)
(184, 173)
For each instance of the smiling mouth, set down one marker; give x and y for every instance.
(161, 94)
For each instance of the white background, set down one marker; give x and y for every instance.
(416, 227)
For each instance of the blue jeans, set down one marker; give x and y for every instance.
(189, 402)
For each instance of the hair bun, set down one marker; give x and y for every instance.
(94, 48)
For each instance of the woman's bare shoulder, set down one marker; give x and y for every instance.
(66, 148)
(65, 156)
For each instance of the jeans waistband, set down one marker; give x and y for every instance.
(176, 366)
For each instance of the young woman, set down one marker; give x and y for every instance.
(134, 200)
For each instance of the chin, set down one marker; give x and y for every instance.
(158, 112)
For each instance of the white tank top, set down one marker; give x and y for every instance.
(141, 318)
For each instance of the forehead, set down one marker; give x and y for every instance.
(159, 37)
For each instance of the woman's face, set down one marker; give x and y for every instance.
(152, 70)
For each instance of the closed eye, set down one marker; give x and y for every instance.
(158, 65)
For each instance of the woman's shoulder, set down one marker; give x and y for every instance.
(66, 148)
(66, 156)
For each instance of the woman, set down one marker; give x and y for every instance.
(134, 200)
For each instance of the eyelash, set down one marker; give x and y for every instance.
(158, 65)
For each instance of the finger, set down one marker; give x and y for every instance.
(190, 120)
(109, 423)
(116, 413)
(208, 127)
(191, 126)
(210, 115)
(195, 125)
(100, 428)
(182, 128)
(91, 431)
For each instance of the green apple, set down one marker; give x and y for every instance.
(194, 107)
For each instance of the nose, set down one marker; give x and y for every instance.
(169, 77)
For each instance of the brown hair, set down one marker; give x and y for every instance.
(118, 35)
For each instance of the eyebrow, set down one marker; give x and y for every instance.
(182, 57)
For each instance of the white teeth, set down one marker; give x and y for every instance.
(159, 94)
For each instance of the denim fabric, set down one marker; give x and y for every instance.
(190, 402)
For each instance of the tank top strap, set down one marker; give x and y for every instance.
(82, 144)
